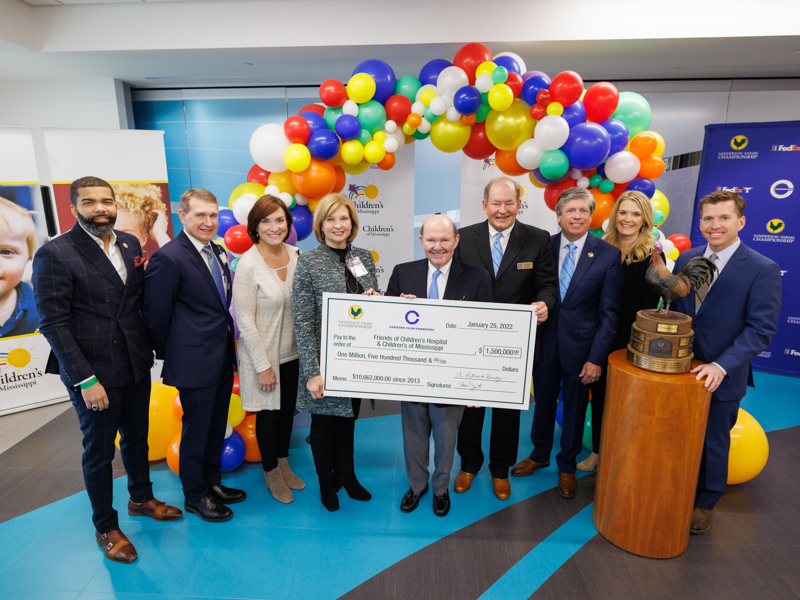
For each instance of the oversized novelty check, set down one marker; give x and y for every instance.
(443, 351)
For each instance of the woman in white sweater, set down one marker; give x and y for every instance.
(268, 358)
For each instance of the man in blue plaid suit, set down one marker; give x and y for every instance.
(88, 290)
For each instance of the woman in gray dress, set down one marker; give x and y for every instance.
(333, 266)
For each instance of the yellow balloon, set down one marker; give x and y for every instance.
(283, 180)
(164, 425)
(449, 137)
(374, 151)
(555, 108)
(352, 152)
(312, 204)
(379, 136)
(674, 254)
(409, 130)
(660, 202)
(426, 96)
(508, 129)
(749, 449)
(500, 96)
(485, 68)
(236, 413)
(539, 185)
(360, 88)
(660, 145)
(355, 169)
(246, 189)
(297, 158)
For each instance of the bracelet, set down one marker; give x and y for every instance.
(90, 383)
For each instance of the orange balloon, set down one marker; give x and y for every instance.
(652, 167)
(387, 162)
(604, 203)
(312, 204)
(317, 180)
(247, 429)
(506, 161)
(410, 139)
(341, 179)
(414, 120)
(468, 119)
(536, 182)
(177, 409)
(643, 145)
(173, 454)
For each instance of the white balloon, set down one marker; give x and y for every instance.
(529, 154)
(622, 167)
(286, 197)
(670, 264)
(390, 126)
(583, 182)
(228, 430)
(390, 144)
(667, 246)
(438, 105)
(575, 174)
(267, 147)
(418, 108)
(484, 83)
(452, 114)
(399, 137)
(350, 108)
(605, 224)
(427, 86)
(451, 79)
(425, 126)
(300, 199)
(551, 132)
(517, 58)
(272, 190)
(241, 208)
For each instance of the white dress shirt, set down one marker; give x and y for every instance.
(503, 240)
(114, 254)
(562, 252)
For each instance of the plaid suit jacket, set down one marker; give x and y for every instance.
(92, 321)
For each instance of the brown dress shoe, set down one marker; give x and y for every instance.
(528, 467)
(701, 520)
(155, 509)
(567, 485)
(463, 482)
(502, 489)
(116, 546)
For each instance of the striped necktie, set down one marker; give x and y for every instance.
(701, 293)
(216, 273)
(567, 269)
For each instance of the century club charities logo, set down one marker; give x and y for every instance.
(16, 370)
(785, 148)
(739, 142)
(355, 312)
(775, 225)
(783, 188)
(735, 189)
(412, 317)
(366, 198)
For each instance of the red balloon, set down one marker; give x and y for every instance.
(341, 179)
(470, 56)
(235, 389)
(479, 146)
(333, 93)
(618, 189)
(682, 243)
(552, 192)
(506, 161)
(297, 129)
(515, 82)
(237, 240)
(538, 111)
(398, 107)
(566, 88)
(320, 110)
(543, 97)
(601, 101)
(258, 175)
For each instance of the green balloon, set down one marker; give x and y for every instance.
(234, 264)
(554, 164)
(605, 186)
(634, 111)
(595, 180)
(330, 116)
(293, 204)
(372, 115)
(364, 137)
(429, 116)
(408, 86)
(587, 426)
(654, 232)
(598, 232)
(420, 136)
(485, 98)
(659, 217)
(500, 75)
(482, 112)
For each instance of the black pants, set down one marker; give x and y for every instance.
(503, 442)
(332, 442)
(598, 389)
(274, 427)
(128, 411)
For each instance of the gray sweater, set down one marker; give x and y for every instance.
(318, 271)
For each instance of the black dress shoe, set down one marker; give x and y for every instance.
(327, 493)
(226, 495)
(411, 500)
(354, 489)
(209, 509)
(441, 504)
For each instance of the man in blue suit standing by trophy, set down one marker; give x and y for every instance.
(734, 319)
(187, 296)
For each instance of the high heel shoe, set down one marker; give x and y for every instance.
(354, 489)
(327, 492)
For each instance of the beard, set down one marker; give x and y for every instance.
(97, 229)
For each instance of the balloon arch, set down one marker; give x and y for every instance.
(555, 131)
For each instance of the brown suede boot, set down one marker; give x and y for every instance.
(277, 486)
(292, 480)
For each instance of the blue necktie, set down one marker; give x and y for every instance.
(567, 269)
(216, 273)
(497, 252)
(433, 293)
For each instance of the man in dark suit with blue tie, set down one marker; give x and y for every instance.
(733, 320)
(187, 296)
(438, 275)
(577, 338)
(88, 291)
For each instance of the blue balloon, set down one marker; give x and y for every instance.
(348, 127)
(233, 450)
(430, 72)
(618, 132)
(560, 414)
(467, 100)
(226, 221)
(315, 120)
(533, 86)
(382, 73)
(323, 144)
(508, 62)
(537, 174)
(302, 221)
(587, 146)
(574, 114)
(601, 169)
(646, 186)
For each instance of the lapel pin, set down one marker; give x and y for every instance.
(124, 245)
(591, 254)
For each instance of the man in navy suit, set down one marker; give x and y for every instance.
(437, 276)
(577, 338)
(733, 320)
(520, 263)
(187, 295)
(88, 291)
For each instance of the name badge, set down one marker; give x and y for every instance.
(525, 265)
(356, 267)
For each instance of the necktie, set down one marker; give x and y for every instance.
(701, 293)
(216, 273)
(567, 269)
(497, 252)
(433, 293)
